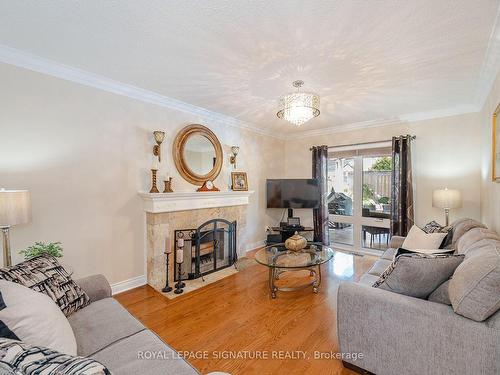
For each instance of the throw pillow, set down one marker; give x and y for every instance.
(435, 227)
(432, 227)
(417, 239)
(475, 286)
(34, 318)
(472, 237)
(28, 359)
(441, 294)
(418, 275)
(428, 252)
(44, 274)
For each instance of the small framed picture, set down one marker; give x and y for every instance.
(239, 180)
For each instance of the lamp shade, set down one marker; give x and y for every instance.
(15, 207)
(446, 198)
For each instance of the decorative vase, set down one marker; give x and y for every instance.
(296, 242)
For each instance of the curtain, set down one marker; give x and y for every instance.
(402, 217)
(320, 172)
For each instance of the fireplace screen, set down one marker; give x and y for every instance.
(209, 248)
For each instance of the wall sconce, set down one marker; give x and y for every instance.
(234, 152)
(159, 137)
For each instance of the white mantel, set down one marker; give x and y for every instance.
(182, 201)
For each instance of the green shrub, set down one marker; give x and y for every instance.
(39, 248)
(383, 163)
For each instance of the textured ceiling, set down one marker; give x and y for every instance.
(368, 60)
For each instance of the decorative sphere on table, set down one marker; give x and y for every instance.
(296, 242)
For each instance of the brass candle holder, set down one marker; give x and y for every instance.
(168, 186)
(154, 188)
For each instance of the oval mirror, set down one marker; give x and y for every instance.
(197, 154)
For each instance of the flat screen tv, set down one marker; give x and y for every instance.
(293, 193)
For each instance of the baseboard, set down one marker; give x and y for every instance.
(125, 285)
(135, 282)
(255, 245)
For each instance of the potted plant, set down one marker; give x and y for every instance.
(40, 248)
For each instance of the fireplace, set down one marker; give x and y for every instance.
(208, 248)
(168, 212)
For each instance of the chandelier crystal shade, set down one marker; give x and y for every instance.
(298, 107)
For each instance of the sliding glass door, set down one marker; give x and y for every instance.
(359, 200)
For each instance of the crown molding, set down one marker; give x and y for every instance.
(399, 120)
(42, 65)
(490, 66)
(344, 128)
(439, 113)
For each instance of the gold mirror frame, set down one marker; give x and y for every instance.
(494, 149)
(178, 153)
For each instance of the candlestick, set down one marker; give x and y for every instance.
(179, 284)
(154, 188)
(180, 256)
(168, 185)
(167, 287)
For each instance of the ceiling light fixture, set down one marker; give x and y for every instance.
(298, 107)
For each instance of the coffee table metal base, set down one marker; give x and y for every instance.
(274, 274)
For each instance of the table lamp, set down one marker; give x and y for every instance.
(15, 209)
(447, 199)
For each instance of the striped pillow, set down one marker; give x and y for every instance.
(44, 274)
(36, 360)
(435, 227)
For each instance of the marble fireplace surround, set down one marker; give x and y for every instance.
(166, 212)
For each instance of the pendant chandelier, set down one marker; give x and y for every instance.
(298, 107)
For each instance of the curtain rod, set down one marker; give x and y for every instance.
(412, 137)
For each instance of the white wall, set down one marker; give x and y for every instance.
(446, 153)
(490, 191)
(85, 153)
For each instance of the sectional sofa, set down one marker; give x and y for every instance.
(397, 334)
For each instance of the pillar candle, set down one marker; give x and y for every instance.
(155, 164)
(180, 256)
(167, 246)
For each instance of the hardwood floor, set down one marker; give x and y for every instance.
(236, 316)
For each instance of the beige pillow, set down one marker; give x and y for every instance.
(419, 241)
(473, 236)
(475, 287)
(35, 318)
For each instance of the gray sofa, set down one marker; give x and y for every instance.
(398, 334)
(107, 332)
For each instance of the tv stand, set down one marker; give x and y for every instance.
(287, 232)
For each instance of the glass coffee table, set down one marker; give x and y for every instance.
(280, 260)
